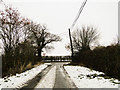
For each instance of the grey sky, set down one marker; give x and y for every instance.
(59, 15)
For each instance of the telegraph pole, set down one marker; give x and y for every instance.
(80, 10)
(71, 42)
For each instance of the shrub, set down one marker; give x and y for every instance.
(105, 59)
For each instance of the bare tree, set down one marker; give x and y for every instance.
(41, 38)
(11, 28)
(83, 38)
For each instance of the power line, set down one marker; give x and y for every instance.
(63, 32)
(78, 15)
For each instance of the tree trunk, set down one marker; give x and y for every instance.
(39, 53)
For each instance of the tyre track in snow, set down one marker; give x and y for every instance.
(62, 80)
(32, 83)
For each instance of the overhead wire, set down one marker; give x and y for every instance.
(78, 15)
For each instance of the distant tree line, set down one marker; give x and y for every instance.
(56, 58)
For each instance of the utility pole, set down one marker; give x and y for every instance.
(71, 42)
(119, 30)
(80, 10)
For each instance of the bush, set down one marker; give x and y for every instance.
(105, 59)
(23, 58)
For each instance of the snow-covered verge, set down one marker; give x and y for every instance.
(49, 79)
(18, 80)
(86, 78)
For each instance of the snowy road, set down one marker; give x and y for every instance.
(62, 80)
(55, 75)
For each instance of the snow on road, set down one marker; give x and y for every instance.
(49, 79)
(86, 78)
(19, 80)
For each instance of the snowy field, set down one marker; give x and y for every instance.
(49, 79)
(85, 78)
(19, 80)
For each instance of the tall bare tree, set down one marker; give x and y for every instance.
(11, 28)
(41, 38)
(83, 38)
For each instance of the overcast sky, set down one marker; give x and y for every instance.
(59, 15)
